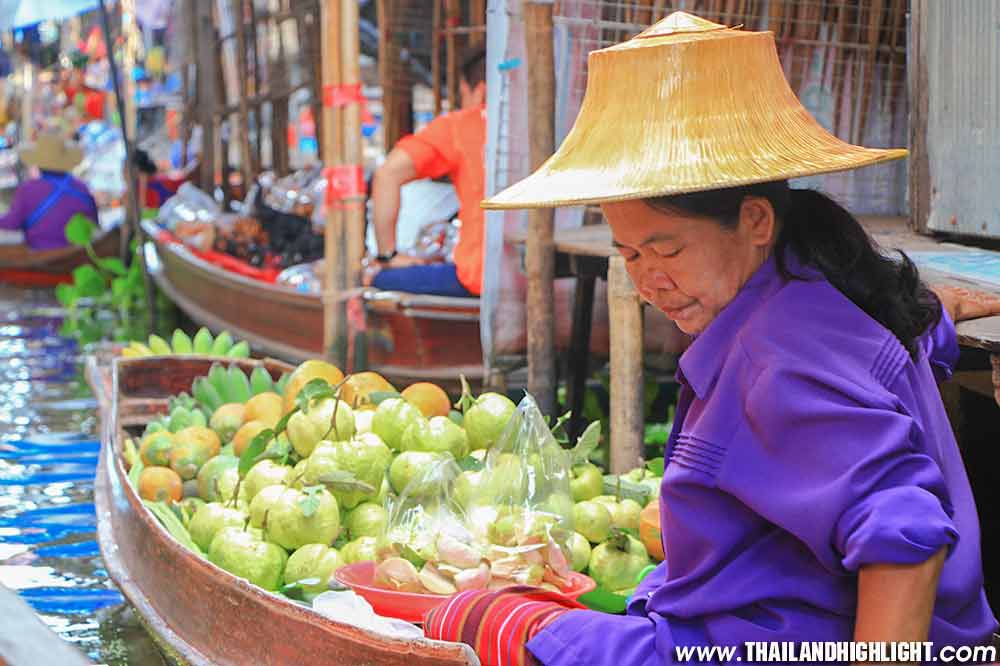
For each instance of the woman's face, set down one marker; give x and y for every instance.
(689, 267)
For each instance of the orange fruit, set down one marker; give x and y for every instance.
(227, 419)
(305, 373)
(264, 407)
(187, 458)
(649, 529)
(429, 398)
(155, 448)
(160, 484)
(358, 388)
(201, 437)
(245, 435)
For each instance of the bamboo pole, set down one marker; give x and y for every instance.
(334, 312)
(453, 15)
(625, 315)
(875, 17)
(540, 248)
(279, 107)
(350, 51)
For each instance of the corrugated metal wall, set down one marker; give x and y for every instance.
(955, 123)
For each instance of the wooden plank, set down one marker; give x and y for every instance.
(354, 216)
(540, 251)
(625, 337)
(26, 641)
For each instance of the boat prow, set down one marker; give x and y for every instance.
(200, 614)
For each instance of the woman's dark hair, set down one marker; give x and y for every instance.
(144, 162)
(823, 234)
(473, 66)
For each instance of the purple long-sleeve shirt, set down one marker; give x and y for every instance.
(49, 231)
(807, 444)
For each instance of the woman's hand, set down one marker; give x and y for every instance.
(961, 303)
(896, 601)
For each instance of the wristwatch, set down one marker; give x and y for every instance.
(386, 258)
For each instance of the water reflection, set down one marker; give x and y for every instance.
(48, 457)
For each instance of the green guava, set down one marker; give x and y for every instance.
(392, 418)
(210, 487)
(307, 429)
(361, 549)
(313, 561)
(366, 519)
(262, 503)
(263, 474)
(208, 519)
(485, 421)
(439, 433)
(616, 563)
(297, 518)
(244, 555)
(592, 520)
(365, 458)
(411, 465)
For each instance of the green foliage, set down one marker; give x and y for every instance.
(107, 299)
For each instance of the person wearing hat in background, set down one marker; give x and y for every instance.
(451, 145)
(43, 206)
(813, 488)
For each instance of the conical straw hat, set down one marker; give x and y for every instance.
(51, 152)
(688, 105)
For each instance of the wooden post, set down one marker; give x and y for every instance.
(350, 52)
(279, 108)
(625, 337)
(437, 35)
(453, 16)
(247, 166)
(207, 73)
(540, 248)
(477, 19)
(334, 311)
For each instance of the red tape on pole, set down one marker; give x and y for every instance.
(343, 95)
(346, 181)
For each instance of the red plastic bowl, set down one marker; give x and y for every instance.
(412, 607)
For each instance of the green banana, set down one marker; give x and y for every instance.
(206, 394)
(180, 418)
(279, 386)
(181, 342)
(260, 381)
(198, 418)
(239, 385)
(223, 342)
(240, 350)
(202, 341)
(159, 346)
(220, 381)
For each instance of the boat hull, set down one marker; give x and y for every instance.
(200, 613)
(409, 337)
(21, 265)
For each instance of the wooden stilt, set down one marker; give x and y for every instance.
(247, 166)
(625, 316)
(540, 249)
(350, 50)
(438, 36)
(453, 15)
(207, 92)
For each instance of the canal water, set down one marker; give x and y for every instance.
(48, 458)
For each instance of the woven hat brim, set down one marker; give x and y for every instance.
(63, 162)
(550, 188)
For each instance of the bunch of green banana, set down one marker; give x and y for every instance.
(181, 344)
(183, 412)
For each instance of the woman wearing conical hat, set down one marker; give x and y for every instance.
(813, 489)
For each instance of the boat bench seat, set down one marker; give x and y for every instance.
(422, 305)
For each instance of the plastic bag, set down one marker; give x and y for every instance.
(427, 547)
(347, 607)
(523, 508)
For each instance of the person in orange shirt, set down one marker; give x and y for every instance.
(451, 145)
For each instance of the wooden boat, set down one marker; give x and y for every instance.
(21, 265)
(200, 614)
(409, 336)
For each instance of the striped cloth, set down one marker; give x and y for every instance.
(497, 624)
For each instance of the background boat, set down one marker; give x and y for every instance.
(19, 264)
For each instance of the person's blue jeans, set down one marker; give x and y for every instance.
(432, 279)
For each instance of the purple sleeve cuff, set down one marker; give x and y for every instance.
(901, 525)
(941, 346)
(652, 582)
